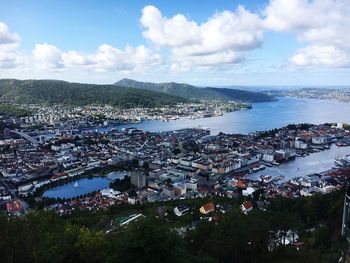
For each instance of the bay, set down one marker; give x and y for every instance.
(263, 116)
(301, 166)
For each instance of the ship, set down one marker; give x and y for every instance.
(342, 162)
(266, 178)
(278, 178)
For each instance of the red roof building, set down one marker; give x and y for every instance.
(247, 206)
(207, 208)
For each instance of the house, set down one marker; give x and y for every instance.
(248, 192)
(180, 189)
(246, 207)
(181, 210)
(14, 207)
(207, 208)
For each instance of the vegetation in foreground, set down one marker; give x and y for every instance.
(235, 237)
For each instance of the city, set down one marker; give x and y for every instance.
(175, 131)
(179, 164)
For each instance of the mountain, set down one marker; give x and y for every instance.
(192, 92)
(62, 92)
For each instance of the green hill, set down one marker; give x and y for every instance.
(67, 93)
(192, 92)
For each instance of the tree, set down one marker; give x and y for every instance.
(149, 240)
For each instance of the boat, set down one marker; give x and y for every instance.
(278, 178)
(266, 178)
(275, 163)
(76, 184)
(255, 169)
(262, 167)
(342, 162)
(341, 144)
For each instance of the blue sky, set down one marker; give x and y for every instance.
(273, 42)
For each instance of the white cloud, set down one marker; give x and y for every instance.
(321, 55)
(9, 58)
(48, 56)
(323, 24)
(223, 38)
(109, 58)
(174, 32)
(7, 38)
(106, 58)
(76, 59)
(290, 15)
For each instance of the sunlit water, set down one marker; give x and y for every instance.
(263, 116)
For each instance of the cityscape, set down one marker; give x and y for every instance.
(225, 139)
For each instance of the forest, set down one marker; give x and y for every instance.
(78, 94)
(43, 236)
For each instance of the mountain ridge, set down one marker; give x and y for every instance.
(202, 93)
(79, 94)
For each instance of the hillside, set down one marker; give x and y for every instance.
(62, 92)
(192, 92)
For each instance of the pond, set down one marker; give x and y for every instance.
(83, 185)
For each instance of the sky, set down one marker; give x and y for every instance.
(207, 42)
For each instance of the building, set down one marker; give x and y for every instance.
(138, 179)
(180, 189)
(169, 191)
(181, 210)
(207, 208)
(246, 207)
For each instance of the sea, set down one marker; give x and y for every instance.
(263, 116)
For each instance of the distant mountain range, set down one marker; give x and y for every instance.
(62, 92)
(192, 92)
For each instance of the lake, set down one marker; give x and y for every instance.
(263, 116)
(83, 186)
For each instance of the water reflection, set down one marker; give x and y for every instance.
(83, 186)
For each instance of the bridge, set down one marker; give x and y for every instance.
(27, 137)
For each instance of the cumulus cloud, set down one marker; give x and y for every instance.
(48, 56)
(9, 58)
(106, 58)
(76, 59)
(322, 24)
(131, 58)
(6, 37)
(321, 55)
(223, 38)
